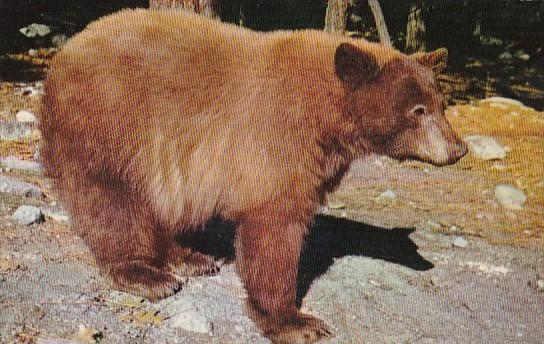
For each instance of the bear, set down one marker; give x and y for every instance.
(154, 122)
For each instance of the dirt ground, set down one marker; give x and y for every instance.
(439, 262)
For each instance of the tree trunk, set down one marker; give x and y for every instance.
(415, 29)
(336, 16)
(208, 8)
(380, 22)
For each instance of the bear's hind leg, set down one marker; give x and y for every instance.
(267, 257)
(120, 230)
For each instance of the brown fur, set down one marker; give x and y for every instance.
(154, 122)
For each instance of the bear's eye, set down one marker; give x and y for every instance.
(419, 110)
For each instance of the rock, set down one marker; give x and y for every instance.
(432, 225)
(505, 56)
(34, 30)
(520, 54)
(486, 268)
(460, 242)
(19, 188)
(387, 197)
(15, 163)
(485, 147)
(56, 341)
(336, 205)
(36, 156)
(192, 320)
(25, 116)
(59, 40)
(33, 52)
(502, 100)
(14, 130)
(56, 215)
(27, 215)
(509, 196)
(540, 285)
(31, 91)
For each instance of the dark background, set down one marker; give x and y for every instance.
(449, 23)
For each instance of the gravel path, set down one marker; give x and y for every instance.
(393, 282)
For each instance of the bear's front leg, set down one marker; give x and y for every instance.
(267, 258)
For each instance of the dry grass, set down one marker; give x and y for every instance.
(521, 130)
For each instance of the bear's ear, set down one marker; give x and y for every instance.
(354, 66)
(436, 60)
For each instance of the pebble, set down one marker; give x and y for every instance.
(34, 30)
(25, 116)
(486, 268)
(509, 196)
(193, 321)
(59, 40)
(15, 163)
(505, 56)
(19, 188)
(502, 100)
(32, 91)
(485, 147)
(520, 54)
(540, 285)
(336, 205)
(460, 242)
(432, 225)
(56, 341)
(387, 197)
(56, 215)
(14, 130)
(27, 215)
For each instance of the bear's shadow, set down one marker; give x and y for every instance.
(329, 238)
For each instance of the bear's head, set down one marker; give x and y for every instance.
(398, 108)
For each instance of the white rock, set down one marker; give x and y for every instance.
(520, 54)
(485, 147)
(56, 215)
(14, 130)
(27, 215)
(460, 242)
(56, 341)
(25, 116)
(34, 30)
(59, 40)
(15, 163)
(192, 320)
(432, 225)
(33, 52)
(31, 91)
(502, 100)
(16, 187)
(486, 268)
(509, 196)
(387, 197)
(505, 56)
(540, 285)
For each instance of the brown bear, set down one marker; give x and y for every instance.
(154, 122)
